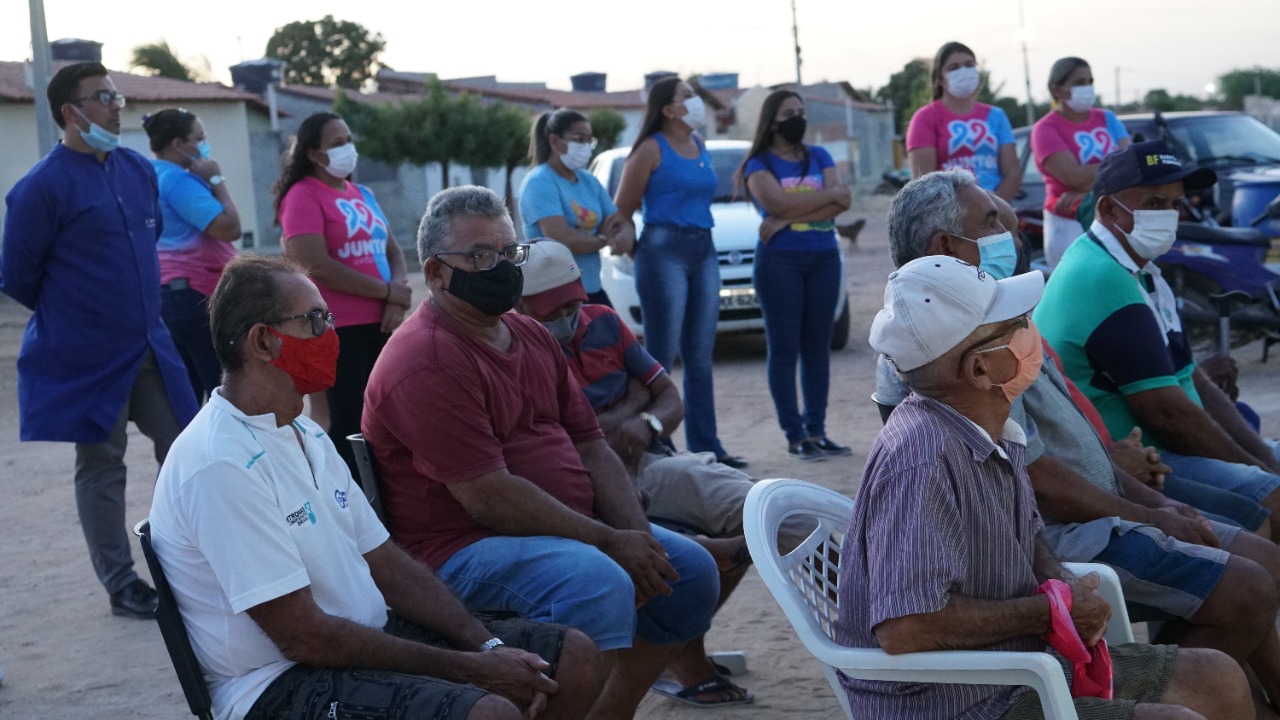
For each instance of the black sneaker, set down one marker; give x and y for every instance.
(830, 448)
(734, 461)
(806, 450)
(136, 600)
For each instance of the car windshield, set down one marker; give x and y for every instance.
(724, 160)
(1226, 138)
(1030, 173)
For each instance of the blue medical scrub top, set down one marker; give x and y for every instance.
(80, 250)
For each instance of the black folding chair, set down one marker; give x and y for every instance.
(368, 473)
(174, 633)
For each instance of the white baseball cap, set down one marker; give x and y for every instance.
(933, 303)
(551, 277)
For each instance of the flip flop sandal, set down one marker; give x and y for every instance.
(689, 695)
(739, 561)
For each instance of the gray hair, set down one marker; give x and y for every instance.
(435, 232)
(925, 206)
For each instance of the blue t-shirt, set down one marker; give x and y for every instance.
(797, 177)
(680, 190)
(584, 204)
(186, 204)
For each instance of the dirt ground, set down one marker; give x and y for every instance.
(64, 655)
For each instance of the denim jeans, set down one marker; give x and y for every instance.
(1250, 481)
(563, 581)
(798, 291)
(186, 313)
(678, 281)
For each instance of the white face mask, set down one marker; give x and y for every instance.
(1153, 231)
(963, 82)
(97, 137)
(342, 160)
(1082, 98)
(577, 156)
(696, 112)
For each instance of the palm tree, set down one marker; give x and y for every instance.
(160, 60)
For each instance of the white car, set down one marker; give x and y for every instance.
(735, 234)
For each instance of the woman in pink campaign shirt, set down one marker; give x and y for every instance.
(336, 231)
(1069, 144)
(955, 131)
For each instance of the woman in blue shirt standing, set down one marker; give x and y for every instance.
(669, 176)
(797, 267)
(562, 201)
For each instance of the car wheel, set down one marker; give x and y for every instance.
(840, 334)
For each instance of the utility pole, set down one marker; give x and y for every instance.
(41, 72)
(1119, 101)
(1026, 67)
(795, 33)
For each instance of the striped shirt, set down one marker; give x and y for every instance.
(939, 512)
(604, 354)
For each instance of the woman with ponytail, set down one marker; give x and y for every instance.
(560, 200)
(335, 229)
(1068, 145)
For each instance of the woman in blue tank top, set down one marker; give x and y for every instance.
(669, 176)
(797, 269)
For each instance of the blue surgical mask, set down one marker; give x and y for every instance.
(563, 329)
(998, 254)
(202, 149)
(98, 137)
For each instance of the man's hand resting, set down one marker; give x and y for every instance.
(515, 675)
(644, 559)
(1089, 610)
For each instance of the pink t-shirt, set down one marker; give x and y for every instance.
(1088, 142)
(355, 233)
(442, 407)
(969, 142)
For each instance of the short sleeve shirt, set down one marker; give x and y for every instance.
(1088, 142)
(942, 510)
(1115, 327)
(604, 355)
(583, 203)
(967, 142)
(798, 177)
(245, 512)
(355, 233)
(188, 206)
(442, 407)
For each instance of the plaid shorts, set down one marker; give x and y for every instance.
(1141, 674)
(309, 693)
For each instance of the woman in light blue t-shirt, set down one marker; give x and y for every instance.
(560, 200)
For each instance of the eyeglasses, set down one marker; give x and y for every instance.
(581, 139)
(484, 259)
(105, 98)
(1021, 323)
(321, 321)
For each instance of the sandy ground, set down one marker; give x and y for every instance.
(64, 655)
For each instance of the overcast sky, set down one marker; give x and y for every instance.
(1180, 45)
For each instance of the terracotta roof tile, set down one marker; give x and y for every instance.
(142, 88)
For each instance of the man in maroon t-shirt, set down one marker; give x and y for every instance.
(495, 472)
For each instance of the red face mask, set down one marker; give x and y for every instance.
(312, 363)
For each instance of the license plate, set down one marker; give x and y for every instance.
(738, 298)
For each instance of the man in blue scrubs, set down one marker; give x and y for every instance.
(80, 251)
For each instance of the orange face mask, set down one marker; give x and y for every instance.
(1025, 346)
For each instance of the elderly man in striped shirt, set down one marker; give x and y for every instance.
(944, 548)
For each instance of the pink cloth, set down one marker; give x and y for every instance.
(1088, 142)
(442, 408)
(348, 226)
(1091, 673)
(201, 264)
(969, 142)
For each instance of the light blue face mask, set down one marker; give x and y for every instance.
(998, 254)
(202, 149)
(563, 329)
(98, 137)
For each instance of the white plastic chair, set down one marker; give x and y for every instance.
(805, 584)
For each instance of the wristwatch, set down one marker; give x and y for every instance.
(216, 180)
(654, 423)
(490, 644)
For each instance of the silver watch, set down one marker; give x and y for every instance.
(490, 644)
(654, 422)
(216, 180)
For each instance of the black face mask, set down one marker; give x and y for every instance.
(792, 129)
(492, 292)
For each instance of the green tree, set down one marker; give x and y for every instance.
(1160, 99)
(326, 52)
(908, 90)
(501, 139)
(1234, 85)
(607, 126)
(159, 59)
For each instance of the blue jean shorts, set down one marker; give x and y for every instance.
(1250, 481)
(563, 581)
(1164, 577)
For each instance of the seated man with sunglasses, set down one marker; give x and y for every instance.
(495, 472)
(282, 571)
